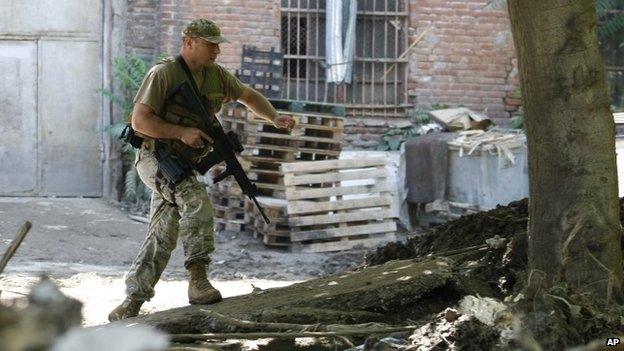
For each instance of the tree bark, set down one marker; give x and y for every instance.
(574, 228)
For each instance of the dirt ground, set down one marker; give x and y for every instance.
(86, 245)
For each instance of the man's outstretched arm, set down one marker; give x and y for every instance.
(256, 102)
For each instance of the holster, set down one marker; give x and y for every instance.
(129, 136)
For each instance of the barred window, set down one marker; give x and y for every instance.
(379, 80)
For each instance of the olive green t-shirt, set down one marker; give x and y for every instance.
(214, 82)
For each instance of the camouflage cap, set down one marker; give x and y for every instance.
(205, 29)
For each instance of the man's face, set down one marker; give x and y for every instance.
(204, 51)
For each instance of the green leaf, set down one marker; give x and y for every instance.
(394, 144)
(130, 193)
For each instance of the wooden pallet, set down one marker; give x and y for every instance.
(308, 106)
(262, 70)
(338, 204)
(229, 225)
(276, 233)
(316, 137)
(228, 202)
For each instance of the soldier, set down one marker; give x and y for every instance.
(185, 210)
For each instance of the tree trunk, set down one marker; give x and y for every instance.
(574, 228)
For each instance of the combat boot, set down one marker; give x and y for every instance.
(128, 308)
(200, 291)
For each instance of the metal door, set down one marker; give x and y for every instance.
(50, 104)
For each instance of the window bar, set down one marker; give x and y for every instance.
(385, 23)
(373, 56)
(363, 46)
(405, 65)
(396, 55)
(298, 61)
(307, 62)
(317, 64)
(288, 46)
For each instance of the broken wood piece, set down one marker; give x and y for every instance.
(289, 327)
(15, 244)
(188, 338)
(264, 326)
(416, 41)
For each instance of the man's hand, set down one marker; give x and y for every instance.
(195, 138)
(285, 122)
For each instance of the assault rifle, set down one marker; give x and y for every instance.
(225, 145)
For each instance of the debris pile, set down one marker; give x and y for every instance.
(48, 320)
(490, 248)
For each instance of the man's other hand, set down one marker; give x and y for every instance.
(195, 138)
(285, 122)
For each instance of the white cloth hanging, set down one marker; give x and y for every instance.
(340, 40)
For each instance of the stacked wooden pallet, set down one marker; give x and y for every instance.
(338, 204)
(276, 233)
(317, 136)
(228, 203)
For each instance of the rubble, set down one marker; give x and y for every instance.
(35, 323)
(48, 320)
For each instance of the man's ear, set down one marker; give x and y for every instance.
(188, 42)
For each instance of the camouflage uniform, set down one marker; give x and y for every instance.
(185, 211)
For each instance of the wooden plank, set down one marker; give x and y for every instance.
(264, 171)
(291, 149)
(300, 207)
(269, 186)
(330, 165)
(254, 159)
(330, 233)
(329, 140)
(271, 201)
(298, 194)
(344, 245)
(15, 243)
(270, 240)
(291, 179)
(257, 122)
(339, 218)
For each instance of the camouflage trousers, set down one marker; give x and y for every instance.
(184, 212)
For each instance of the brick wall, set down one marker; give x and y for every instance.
(467, 57)
(252, 22)
(141, 30)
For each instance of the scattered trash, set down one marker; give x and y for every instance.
(461, 118)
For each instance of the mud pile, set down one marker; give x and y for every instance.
(489, 247)
(467, 231)
(489, 252)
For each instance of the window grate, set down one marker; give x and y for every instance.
(381, 38)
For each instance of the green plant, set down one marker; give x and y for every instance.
(419, 116)
(439, 106)
(392, 139)
(129, 72)
(611, 20)
(517, 121)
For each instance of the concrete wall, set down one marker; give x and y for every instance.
(51, 67)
